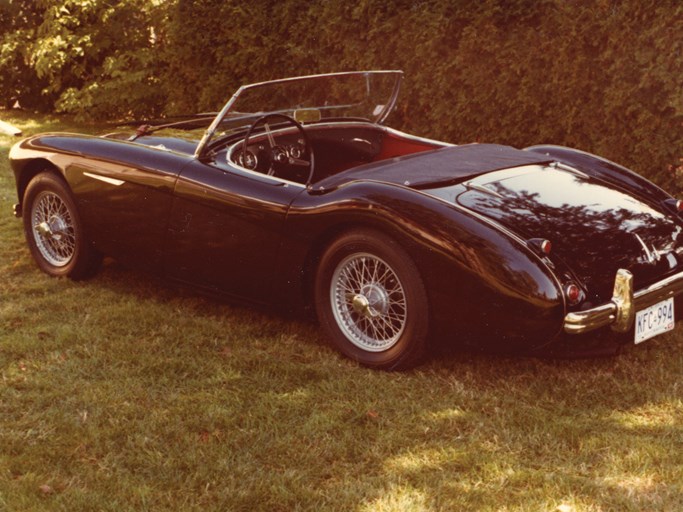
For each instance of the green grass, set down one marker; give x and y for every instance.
(125, 393)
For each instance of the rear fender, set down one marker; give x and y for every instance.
(484, 283)
(608, 171)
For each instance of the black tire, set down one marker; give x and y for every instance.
(371, 301)
(54, 230)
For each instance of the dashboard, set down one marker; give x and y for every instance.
(285, 154)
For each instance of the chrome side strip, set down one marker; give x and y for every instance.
(106, 179)
(481, 188)
(560, 165)
(620, 311)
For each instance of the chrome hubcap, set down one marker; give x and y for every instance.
(368, 302)
(53, 229)
(372, 302)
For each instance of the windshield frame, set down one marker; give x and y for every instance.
(388, 107)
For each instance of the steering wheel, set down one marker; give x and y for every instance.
(279, 154)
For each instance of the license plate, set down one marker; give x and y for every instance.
(654, 320)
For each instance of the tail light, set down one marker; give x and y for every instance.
(573, 294)
(675, 204)
(540, 245)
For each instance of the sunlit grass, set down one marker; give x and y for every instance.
(126, 393)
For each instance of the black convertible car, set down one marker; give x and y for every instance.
(297, 195)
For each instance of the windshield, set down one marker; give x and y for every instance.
(367, 95)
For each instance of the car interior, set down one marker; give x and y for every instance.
(336, 147)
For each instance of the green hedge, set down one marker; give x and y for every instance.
(602, 76)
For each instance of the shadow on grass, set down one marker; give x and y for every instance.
(125, 383)
(291, 425)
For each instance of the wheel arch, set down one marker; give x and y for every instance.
(57, 241)
(29, 170)
(450, 246)
(324, 239)
(385, 323)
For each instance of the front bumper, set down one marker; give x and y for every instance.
(620, 312)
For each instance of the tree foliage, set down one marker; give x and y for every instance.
(603, 76)
(94, 58)
(19, 20)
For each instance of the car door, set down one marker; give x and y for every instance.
(225, 229)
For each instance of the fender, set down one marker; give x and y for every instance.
(123, 190)
(65, 150)
(611, 172)
(475, 271)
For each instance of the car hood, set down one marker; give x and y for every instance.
(594, 228)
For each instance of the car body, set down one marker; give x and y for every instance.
(297, 195)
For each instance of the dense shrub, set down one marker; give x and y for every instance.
(603, 76)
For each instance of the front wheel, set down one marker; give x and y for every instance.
(371, 301)
(54, 231)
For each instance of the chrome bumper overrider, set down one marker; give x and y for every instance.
(621, 310)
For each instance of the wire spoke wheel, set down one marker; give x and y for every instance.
(371, 300)
(53, 229)
(368, 302)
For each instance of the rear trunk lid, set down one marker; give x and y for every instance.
(595, 228)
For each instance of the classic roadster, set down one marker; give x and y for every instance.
(298, 195)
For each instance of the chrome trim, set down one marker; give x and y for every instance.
(481, 188)
(106, 179)
(622, 297)
(565, 167)
(394, 97)
(652, 256)
(620, 311)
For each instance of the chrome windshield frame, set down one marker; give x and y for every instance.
(388, 107)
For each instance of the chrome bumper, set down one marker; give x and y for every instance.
(621, 310)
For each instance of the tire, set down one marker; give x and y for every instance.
(54, 231)
(371, 301)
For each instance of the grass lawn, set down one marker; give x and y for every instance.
(125, 393)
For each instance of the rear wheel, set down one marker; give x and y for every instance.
(54, 231)
(371, 301)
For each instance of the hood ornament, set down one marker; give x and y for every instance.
(651, 255)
